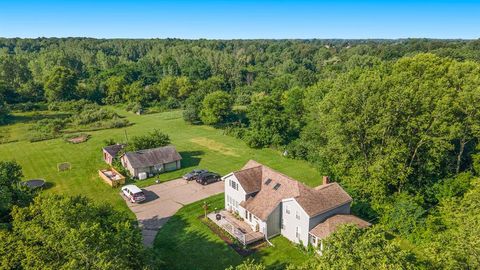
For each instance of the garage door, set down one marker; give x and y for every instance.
(170, 166)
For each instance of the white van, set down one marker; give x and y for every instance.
(133, 193)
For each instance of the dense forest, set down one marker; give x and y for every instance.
(396, 122)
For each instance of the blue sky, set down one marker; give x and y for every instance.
(217, 19)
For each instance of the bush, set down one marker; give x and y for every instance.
(134, 107)
(4, 110)
(172, 103)
(117, 123)
(235, 131)
(91, 114)
(28, 107)
(46, 129)
(69, 106)
(153, 139)
(297, 150)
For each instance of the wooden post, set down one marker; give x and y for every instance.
(205, 208)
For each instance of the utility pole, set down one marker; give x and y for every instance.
(126, 136)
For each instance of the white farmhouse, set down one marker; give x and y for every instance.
(273, 203)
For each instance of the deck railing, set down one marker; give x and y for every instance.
(243, 237)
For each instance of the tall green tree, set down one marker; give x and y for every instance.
(61, 84)
(216, 106)
(56, 232)
(11, 193)
(452, 241)
(269, 125)
(353, 248)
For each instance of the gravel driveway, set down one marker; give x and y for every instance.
(164, 200)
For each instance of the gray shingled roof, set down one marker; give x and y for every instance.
(152, 157)
(113, 150)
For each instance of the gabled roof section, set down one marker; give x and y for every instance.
(270, 193)
(113, 150)
(250, 179)
(331, 224)
(152, 157)
(322, 199)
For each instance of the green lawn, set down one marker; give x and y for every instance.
(200, 146)
(184, 242)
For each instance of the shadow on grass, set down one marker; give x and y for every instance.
(48, 185)
(191, 158)
(14, 119)
(184, 242)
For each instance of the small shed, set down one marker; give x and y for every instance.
(110, 152)
(112, 177)
(152, 161)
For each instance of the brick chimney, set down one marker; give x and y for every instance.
(326, 180)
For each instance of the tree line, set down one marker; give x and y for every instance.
(396, 122)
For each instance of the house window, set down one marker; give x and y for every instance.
(297, 232)
(297, 215)
(233, 184)
(313, 240)
(287, 209)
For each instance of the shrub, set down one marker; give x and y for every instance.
(297, 150)
(153, 139)
(172, 103)
(46, 129)
(117, 123)
(28, 107)
(92, 114)
(69, 106)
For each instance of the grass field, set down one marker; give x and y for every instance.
(184, 242)
(200, 146)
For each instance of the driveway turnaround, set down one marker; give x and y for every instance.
(164, 200)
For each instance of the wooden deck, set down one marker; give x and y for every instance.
(237, 228)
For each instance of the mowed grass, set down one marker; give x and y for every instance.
(200, 147)
(184, 242)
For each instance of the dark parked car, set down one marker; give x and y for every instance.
(208, 178)
(193, 174)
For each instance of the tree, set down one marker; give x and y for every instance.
(248, 265)
(404, 215)
(269, 125)
(216, 106)
(452, 241)
(11, 193)
(3, 111)
(390, 124)
(353, 248)
(116, 87)
(61, 84)
(153, 139)
(192, 107)
(167, 87)
(57, 232)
